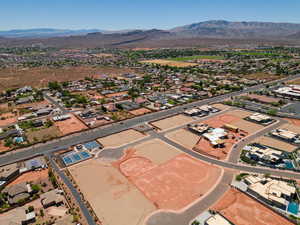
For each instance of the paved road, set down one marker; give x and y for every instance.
(74, 192)
(237, 148)
(90, 135)
(52, 101)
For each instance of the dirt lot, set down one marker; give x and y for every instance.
(2, 147)
(264, 76)
(262, 98)
(291, 127)
(169, 63)
(140, 111)
(240, 209)
(70, 125)
(114, 199)
(172, 185)
(184, 138)
(247, 126)
(275, 143)
(40, 76)
(221, 106)
(240, 113)
(7, 119)
(293, 121)
(43, 134)
(156, 150)
(171, 122)
(119, 139)
(31, 176)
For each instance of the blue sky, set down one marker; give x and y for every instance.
(125, 14)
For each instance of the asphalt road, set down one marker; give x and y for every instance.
(52, 101)
(90, 135)
(74, 192)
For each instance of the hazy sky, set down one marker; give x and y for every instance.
(124, 14)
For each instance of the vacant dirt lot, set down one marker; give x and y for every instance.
(156, 150)
(291, 127)
(176, 183)
(171, 122)
(114, 199)
(164, 62)
(7, 119)
(240, 209)
(247, 126)
(3, 148)
(40, 76)
(275, 143)
(221, 106)
(122, 138)
(262, 76)
(43, 134)
(31, 176)
(184, 138)
(70, 125)
(140, 111)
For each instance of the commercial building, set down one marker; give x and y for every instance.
(289, 91)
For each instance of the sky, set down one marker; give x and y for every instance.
(139, 14)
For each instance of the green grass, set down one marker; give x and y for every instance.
(194, 57)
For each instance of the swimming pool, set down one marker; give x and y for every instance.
(75, 157)
(293, 207)
(289, 165)
(92, 145)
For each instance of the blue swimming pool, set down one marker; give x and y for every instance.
(289, 165)
(75, 157)
(293, 207)
(91, 145)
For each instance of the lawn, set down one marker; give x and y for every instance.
(194, 57)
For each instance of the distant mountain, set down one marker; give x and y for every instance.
(44, 32)
(226, 29)
(197, 34)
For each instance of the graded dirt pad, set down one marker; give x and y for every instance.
(7, 119)
(71, 125)
(43, 134)
(220, 120)
(173, 121)
(291, 127)
(177, 183)
(240, 209)
(247, 126)
(184, 138)
(220, 106)
(164, 62)
(114, 199)
(31, 176)
(239, 113)
(140, 111)
(40, 76)
(263, 76)
(121, 138)
(275, 143)
(293, 121)
(156, 150)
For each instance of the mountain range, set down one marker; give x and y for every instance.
(207, 30)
